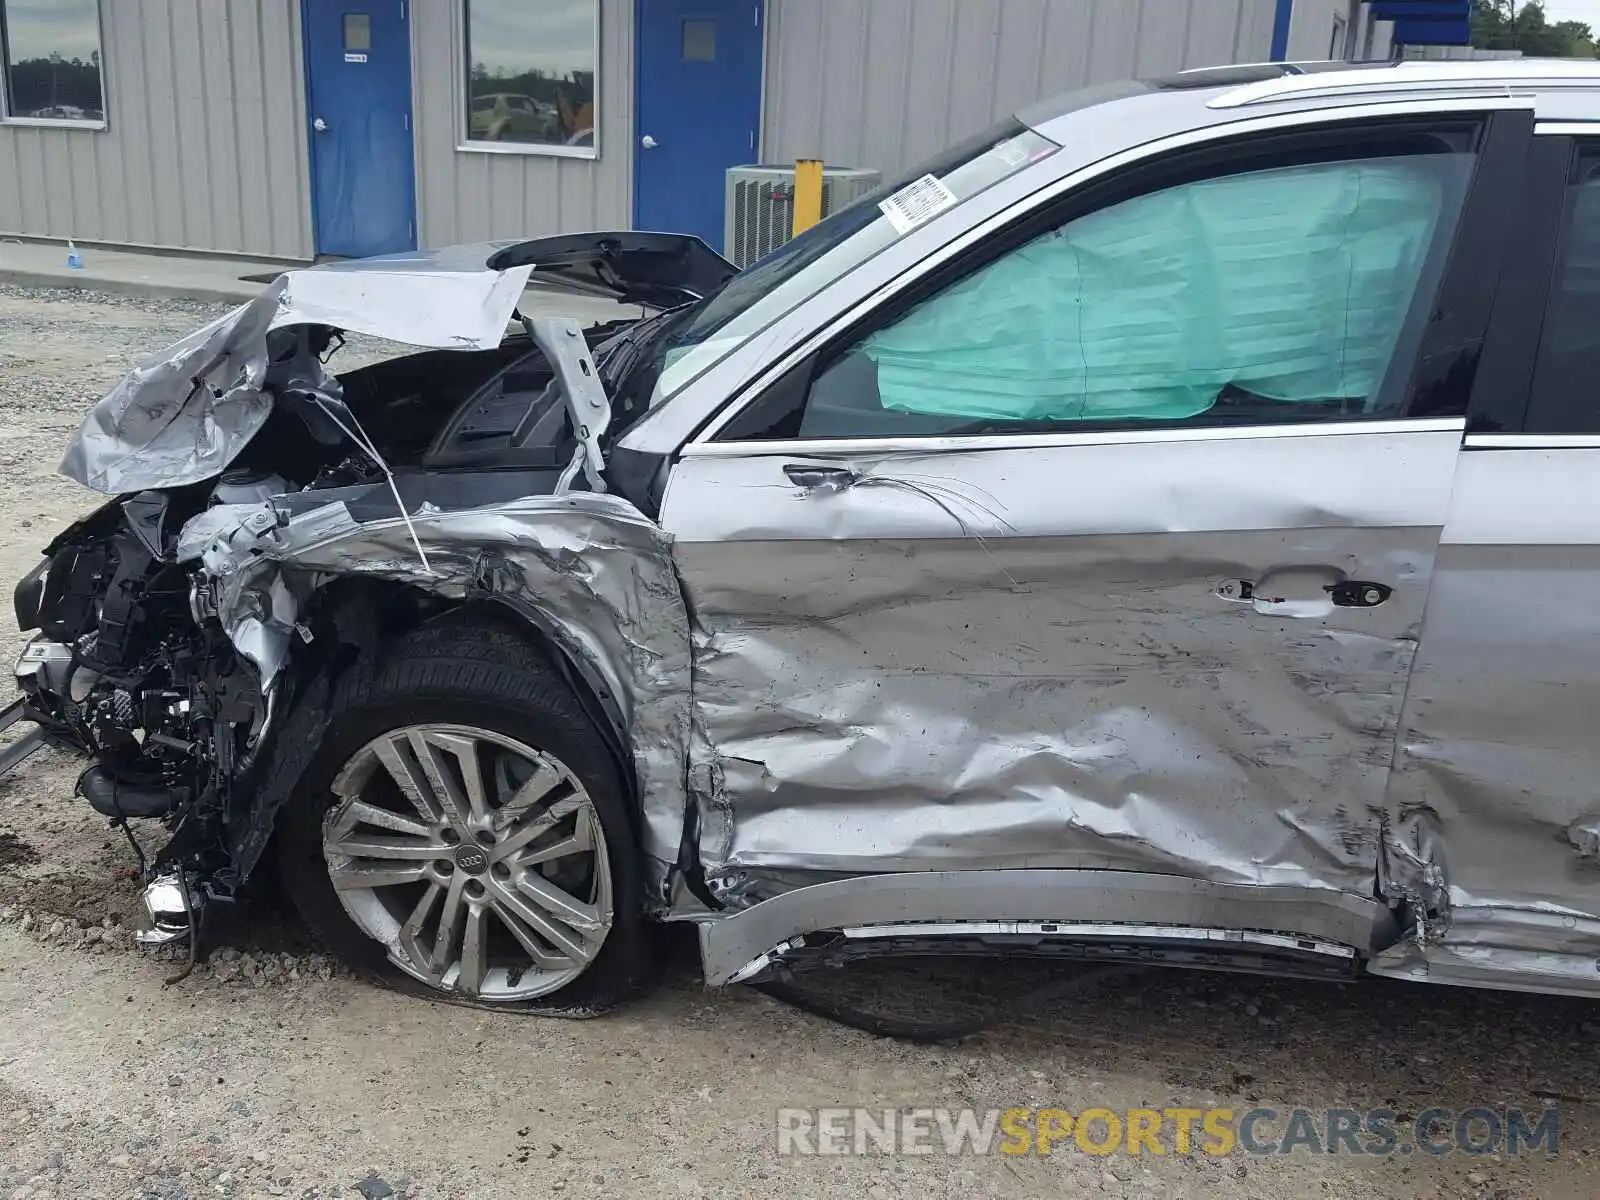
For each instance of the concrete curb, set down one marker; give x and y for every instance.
(79, 281)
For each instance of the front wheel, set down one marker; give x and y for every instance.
(463, 830)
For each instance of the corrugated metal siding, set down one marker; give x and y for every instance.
(1311, 30)
(465, 195)
(860, 83)
(206, 103)
(206, 145)
(1382, 37)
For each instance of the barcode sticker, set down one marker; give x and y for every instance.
(919, 201)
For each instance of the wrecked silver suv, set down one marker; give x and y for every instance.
(1157, 530)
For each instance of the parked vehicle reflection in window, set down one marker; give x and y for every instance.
(530, 72)
(52, 62)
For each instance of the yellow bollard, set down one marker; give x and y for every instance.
(807, 194)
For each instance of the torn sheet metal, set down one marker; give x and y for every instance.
(1021, 659)
(591, 570)
(182, 415)
(1547, 949)
(185, 413)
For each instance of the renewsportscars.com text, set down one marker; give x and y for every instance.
(1376, 1132)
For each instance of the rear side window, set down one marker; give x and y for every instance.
(1265, 296)
(1565, 395)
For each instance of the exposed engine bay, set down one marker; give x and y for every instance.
(131, 664)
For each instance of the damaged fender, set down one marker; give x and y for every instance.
(590, 570)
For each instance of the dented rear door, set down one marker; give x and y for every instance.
(1495, 797)
(971, 592)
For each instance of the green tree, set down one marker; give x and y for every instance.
(1506, 25)
(1577, 37)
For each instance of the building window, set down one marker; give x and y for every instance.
(52, 61)
(1336, 44)
(530, 75)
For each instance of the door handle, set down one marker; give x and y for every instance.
(813, 478)
(1359, 593)
(320, 125)
(648, 142)
(1264, 597)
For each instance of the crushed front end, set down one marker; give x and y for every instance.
(188, 632)
(160, 702)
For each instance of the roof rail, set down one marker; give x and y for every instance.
(1498, 76)
(1283, 68)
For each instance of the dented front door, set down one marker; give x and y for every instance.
(1166, 645)
(1041, 657)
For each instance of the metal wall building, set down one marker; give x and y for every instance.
(200, 140)
(292, 128)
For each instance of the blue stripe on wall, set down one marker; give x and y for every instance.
(1280, 30)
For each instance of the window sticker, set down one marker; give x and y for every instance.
(919, 201)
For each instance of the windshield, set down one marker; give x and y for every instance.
(696, 338)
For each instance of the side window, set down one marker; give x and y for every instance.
(1565, 395)
(1267, 296)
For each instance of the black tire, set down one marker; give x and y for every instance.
(478, 671)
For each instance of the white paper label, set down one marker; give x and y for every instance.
(355, 58)
(919, 201)
(1012, 153)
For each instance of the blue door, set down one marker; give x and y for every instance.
(358, 88)
(698, 110)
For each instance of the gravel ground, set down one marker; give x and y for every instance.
(269, 1073)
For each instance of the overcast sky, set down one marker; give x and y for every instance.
(1587, 11)
(513, 35)
(37, 28)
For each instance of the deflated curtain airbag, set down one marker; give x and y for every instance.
(1152, 307)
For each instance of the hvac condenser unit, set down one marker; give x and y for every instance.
(760, 206)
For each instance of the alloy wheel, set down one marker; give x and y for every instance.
(478, 861)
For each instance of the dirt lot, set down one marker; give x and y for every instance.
(268, 1073)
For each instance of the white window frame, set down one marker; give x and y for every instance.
(86, 124)
(462, 76)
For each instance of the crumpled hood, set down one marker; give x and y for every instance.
(182, 416)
